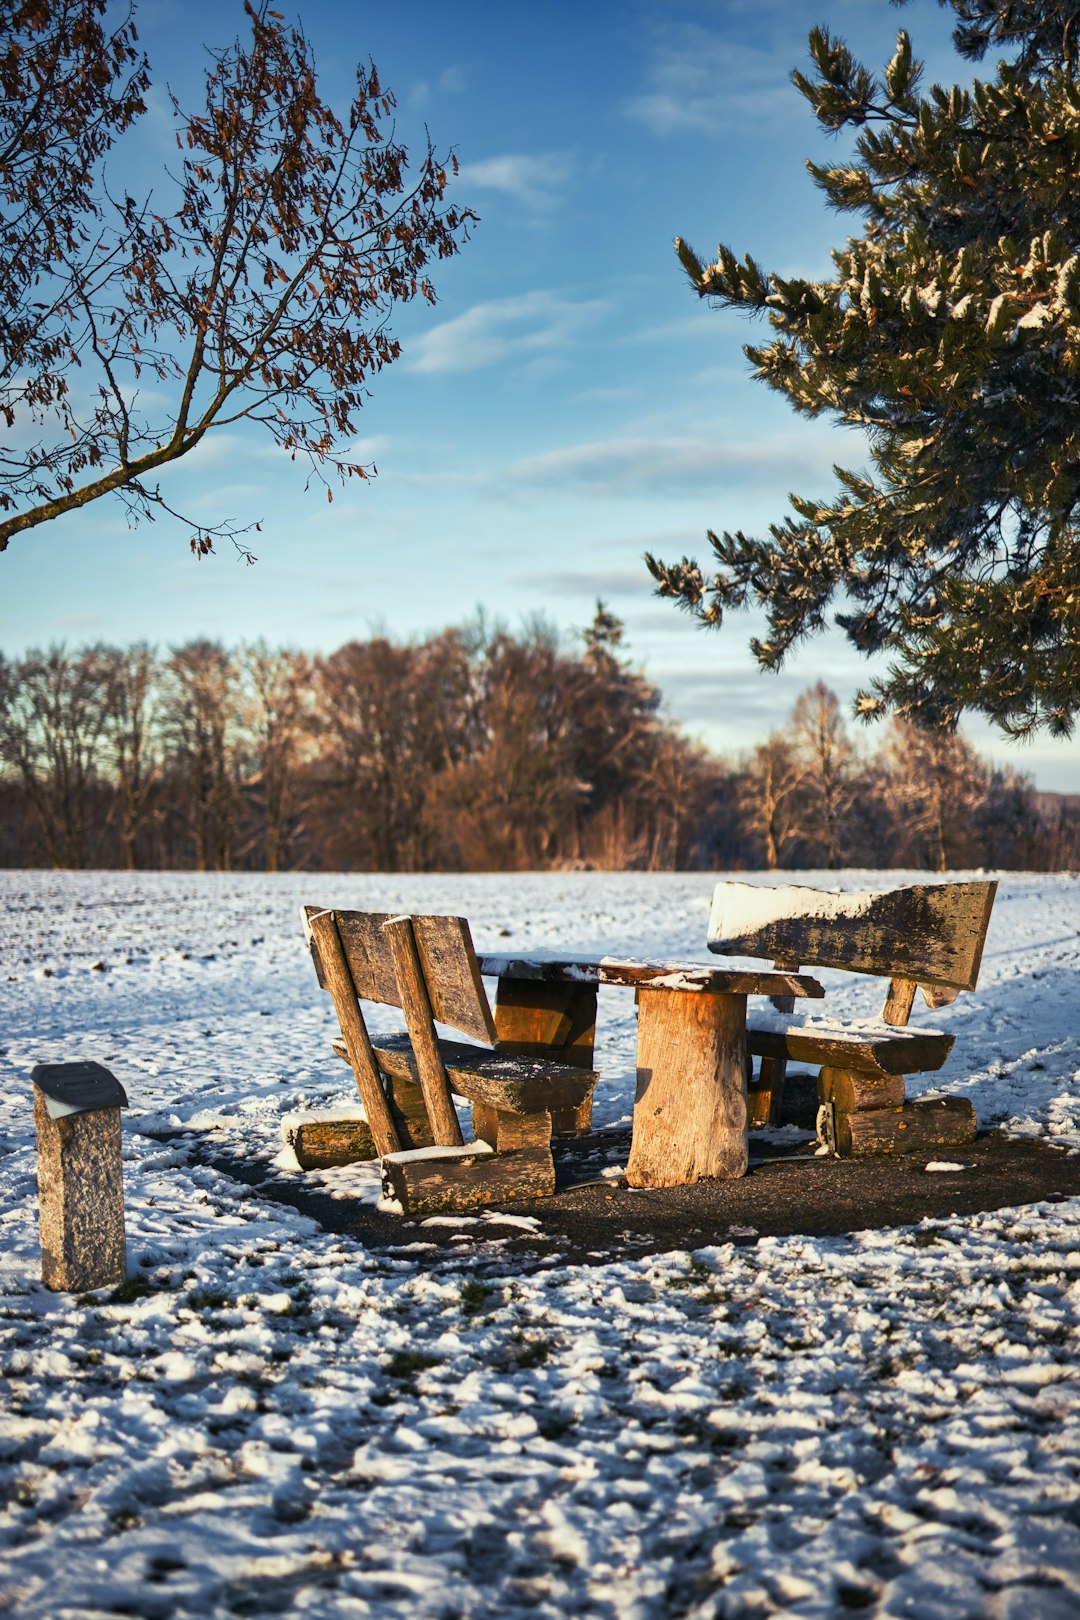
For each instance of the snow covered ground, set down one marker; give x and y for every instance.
(279, 1422)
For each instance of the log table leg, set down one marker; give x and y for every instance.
(690, 1113)
(542, 1018)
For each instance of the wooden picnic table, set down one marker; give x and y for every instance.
(690, 1106)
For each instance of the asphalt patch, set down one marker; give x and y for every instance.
(594, 1218)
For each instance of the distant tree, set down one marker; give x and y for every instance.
(518, 793)
(53, 711)
(949, 333)
(128, 736)
(199, 722)
(828, 785)
(938, 787)
(769, 796)
(275, 706)
(1009, 824)
(390, 721)
(260, 293)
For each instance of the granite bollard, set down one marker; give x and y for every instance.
(80, 1177)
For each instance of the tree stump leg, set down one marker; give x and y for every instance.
(690, 1113)
(323, 1143)
(852, 1092)
(916, 1127)
(505, 1131)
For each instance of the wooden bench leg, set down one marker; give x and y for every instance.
(872, 1115)
(850, 1093)
(409, 1112)
(505, 1131)
(916, 1127)
(765, 1097)
(535, 1018)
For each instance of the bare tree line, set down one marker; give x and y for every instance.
(474, 749)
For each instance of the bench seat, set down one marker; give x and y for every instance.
(518, 1085)
(885, 1052)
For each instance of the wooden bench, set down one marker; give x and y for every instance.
(427, 967)
(928, 936)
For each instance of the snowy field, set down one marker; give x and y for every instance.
(278, 1422)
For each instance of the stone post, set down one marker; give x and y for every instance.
(80, 1178)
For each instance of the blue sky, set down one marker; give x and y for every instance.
(568, 404)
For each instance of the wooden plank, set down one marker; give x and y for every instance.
(905, 1052)
(414, 1003)
(306, 914)
(933, 933)
(852, 1092)
(521, 1085)
(452, 976)
(690, 1111)
(367, 953)
(914, 1128)
(541, 1018)
(424, 1185)
(540, 967)
(354, 1031)
(675, 976)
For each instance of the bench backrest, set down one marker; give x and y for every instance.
(931, 934)
(447, 960)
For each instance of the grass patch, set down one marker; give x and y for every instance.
(533, 1353)
(207, 1299)
(554, 1426)
(131, 1289)
(476, 1297)
(856, 1597)
(405, 1364)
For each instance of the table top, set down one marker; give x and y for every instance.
(694, 976)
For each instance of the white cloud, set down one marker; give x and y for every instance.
(610, 583)
(530, 326)
(451, 81)
(701, 81)
(638, 464)
(532, 179)
(370, 448)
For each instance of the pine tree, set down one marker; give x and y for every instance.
(949, 333)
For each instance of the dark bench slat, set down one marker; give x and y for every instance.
(520, 1085)
(864, 1051)
(932, 933)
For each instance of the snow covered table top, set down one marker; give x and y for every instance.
(692, 976)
